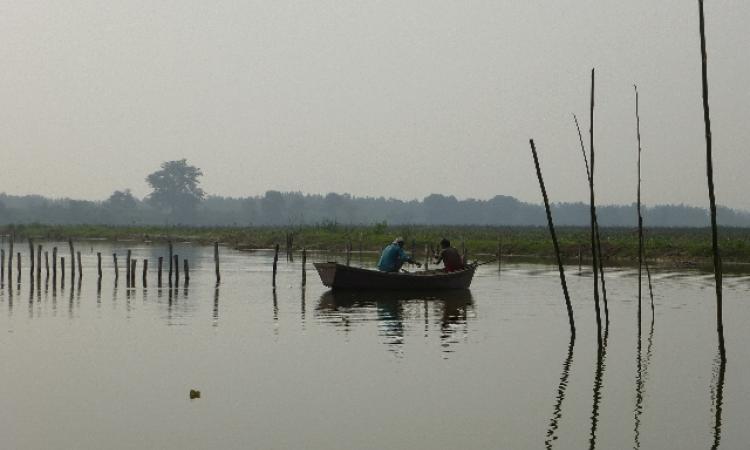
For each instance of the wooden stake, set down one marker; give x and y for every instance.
(2, 266)
(18, 265)
(171, 257)
(99, 264)
(54, 266)
(216, 262)
(127, 269)
(275, 261)
(31, 259)
(158, 277)
(186, 270)
(46, 264)
(117, 270)
(10, 261)
(80, 267)
(39, 264)
(554, 240)
(133, 263)
(176, 264)
(72, 263)
(145, 272)
(304, 261)
(62, 272)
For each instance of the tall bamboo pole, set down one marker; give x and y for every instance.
(594, 259)
(554, 240)
(640, 215)
(710, 176)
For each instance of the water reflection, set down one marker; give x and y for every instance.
(642, 365)
(601, 359)
(717, 393)
(554, 422)
(392, 310)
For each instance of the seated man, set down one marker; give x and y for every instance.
(394, 256)
(450, 257)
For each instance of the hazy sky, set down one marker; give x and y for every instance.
(374, 98)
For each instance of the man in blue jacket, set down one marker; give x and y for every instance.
(394, 256)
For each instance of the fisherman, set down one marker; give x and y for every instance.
(394, 256)
(450, 257)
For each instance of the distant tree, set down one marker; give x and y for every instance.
(176, 188)
(272, 207)
(121, 200)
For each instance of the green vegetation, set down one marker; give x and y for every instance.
(618, 244)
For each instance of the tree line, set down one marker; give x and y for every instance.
(177, 199)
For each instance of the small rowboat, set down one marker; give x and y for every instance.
(339, 276)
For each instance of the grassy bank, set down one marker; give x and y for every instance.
(684, 244)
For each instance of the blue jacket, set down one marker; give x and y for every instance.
(392, 258)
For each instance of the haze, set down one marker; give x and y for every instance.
(379, 98)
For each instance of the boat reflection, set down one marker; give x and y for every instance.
(401, 313)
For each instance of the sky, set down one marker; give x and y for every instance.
(375, 98)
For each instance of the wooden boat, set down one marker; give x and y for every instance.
(339, 276)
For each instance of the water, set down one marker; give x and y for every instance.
(91, 368)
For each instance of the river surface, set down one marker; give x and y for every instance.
(89, 366)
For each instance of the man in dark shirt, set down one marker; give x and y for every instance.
(450, 257)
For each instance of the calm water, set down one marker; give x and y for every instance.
(91, 368)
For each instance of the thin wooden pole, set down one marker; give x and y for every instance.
(46, 264)
(640, 215)
(275, 262)
(186, 271)
(710, 176)
(216, 262)
(10, 260)
(554, 240)
(304, 261)
(99, 264)
(2, 266)
(72, 263)
(145, 271)
(31, 260)
(133, 264)
(54, 266)
(62, 272)
(171, 255)
(18, 265)
(158, 272)
(594, 259)
(176, 264)
(117, 270)
(127, 268)
(80, 267)
(39, 264)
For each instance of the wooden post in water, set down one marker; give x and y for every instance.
(80, 267)
(38, 264)
(170, 263)
(594, 253)
(711, 196)
(186, 271)
(10, 260)
(99, 264)
(46, 265)
(54, 266)
(176, 264)
(640, 216)
(117, 270)
(62, 272)
(554, 240)
(216, 262)
(158, 271)
(2, 266)
(275, 262)
(304, 261)
(18, 265)
(127, 269)
(133, 264)
(31, 260)
(145, 271)
(72, 263)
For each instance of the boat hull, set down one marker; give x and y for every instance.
(339, 276)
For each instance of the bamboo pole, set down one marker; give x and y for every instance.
(2, 267)
(127, 269)
(216, 262)
(133, 264)
(595, 263)
(39, 264)
(31, 260)
(640, 215)
(186, 271)
(62, 272)
(275, 262)
(551, 225)
(176, 264)
(46, 264)
(99, 264)
(171, 255)
(54, 266)
(710, 177)
(18, 265)
(10, 260)
(72, 263)
(304, 261)
(145, 272)
(117, 270)
(158, 271)
(80, 267)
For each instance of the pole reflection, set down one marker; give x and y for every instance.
(554, 422)
(717, 392)
(642, 365)
(601, 359)
(216, 306)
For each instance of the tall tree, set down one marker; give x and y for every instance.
(176, 188)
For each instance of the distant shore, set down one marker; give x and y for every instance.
(678, 246)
